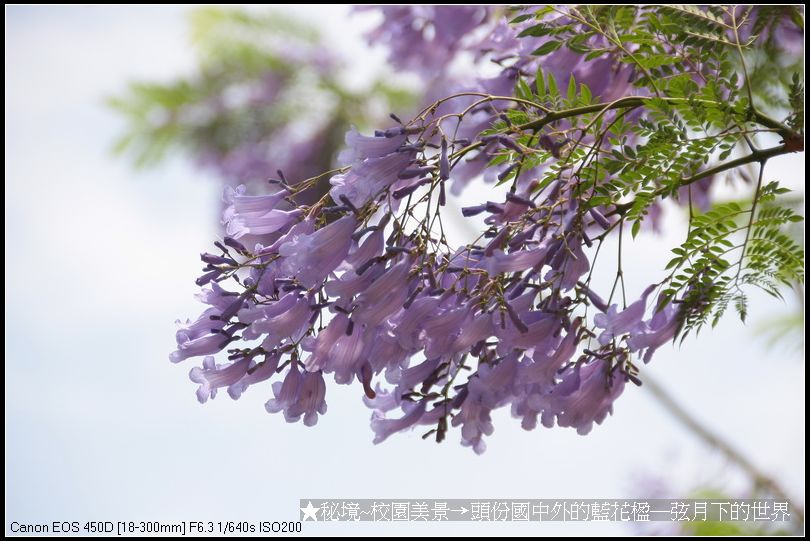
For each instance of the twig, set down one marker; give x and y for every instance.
(712, 439)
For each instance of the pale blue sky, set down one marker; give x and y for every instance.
(100, 261)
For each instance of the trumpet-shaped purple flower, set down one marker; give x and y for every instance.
(410, 377)
(256, 373)
(383, 401)
(369, 177)
(384, 427)
(312, 257)
(370, 248)
(212, 376)
(547, 362)
(426, 38)
(199, 338)
(479, 328)
(409, 322)
(485, 392)
(516, 261)
(350, 284)
(616, 323)
(288, 317)
(261, 224)
(321, 345)
(586, 395)
(256, 214)
(348, 352)
(441, 330)
(376, 163)
(385, 295)
(652, 334)
(569, 266)
(216, 296)
(311, 399)
(300, 395)
(361, 147)
(241, 204)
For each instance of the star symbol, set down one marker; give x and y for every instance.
(309, 512)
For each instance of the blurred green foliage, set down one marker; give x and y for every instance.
(716, 528)
(264, 81)
(787, 329)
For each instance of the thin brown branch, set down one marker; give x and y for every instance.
(712, 439)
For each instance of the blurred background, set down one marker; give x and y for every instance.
(122, 124)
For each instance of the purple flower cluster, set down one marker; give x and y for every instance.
(242, 114)
(426, 39)
(362, 286)
(431, 40)
(360, 283)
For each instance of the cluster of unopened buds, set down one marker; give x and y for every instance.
(363, 286)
